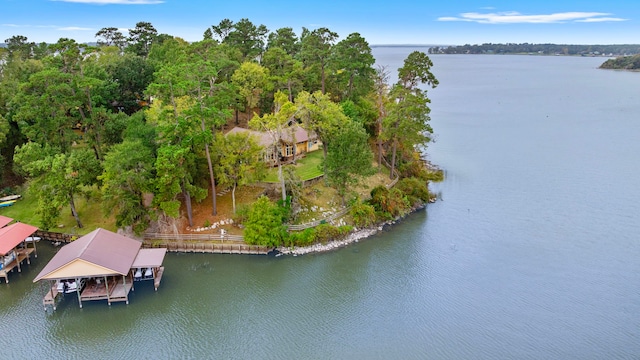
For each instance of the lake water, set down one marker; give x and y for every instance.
(532, 253)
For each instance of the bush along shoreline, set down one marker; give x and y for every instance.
(265, 222)
(353, 237)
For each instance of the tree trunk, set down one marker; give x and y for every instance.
(74, 212)
(212, 179)
(187, 202)
(322, 77)
(393, 158)
(233, 197)
(290, 91)
(379, 145)
(280, 175)
(351, 85)
(379, 155)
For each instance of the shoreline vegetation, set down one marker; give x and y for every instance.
(353, 237)
(631, 63)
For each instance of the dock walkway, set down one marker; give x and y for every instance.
(21, 256)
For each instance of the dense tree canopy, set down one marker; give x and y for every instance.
(137, 122)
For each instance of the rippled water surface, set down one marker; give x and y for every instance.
(531, 253)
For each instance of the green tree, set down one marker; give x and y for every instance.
(353, 62)
(128, 77)
(19, 47)
(141, 38)
(179, 134)
(111, 36)
(380, 97)
(285, 72)
(248, 38)
(349, 158)
(56, 178)
(285, 39)
(316, 50)
(239, 161)
(46, 109)
(276, 125)
(251, 80)
(127, 176)
(320, 115)
(173, 178)
(407, 120)
(265, 224)
(223, 29)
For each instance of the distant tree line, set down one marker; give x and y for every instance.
(546, 49)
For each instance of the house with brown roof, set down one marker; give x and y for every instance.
(101, 265)
(295, 142)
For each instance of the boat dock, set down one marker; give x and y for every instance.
(20, 256)
(101, 265)
(14, 248)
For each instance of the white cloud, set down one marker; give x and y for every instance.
(61, 28)
(602, 19)
(74, 28)
(513, 17)
(115, 2)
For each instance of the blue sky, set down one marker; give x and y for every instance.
(380, 22)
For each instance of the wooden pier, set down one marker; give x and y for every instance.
(20, 256)
(54, 237)
(211, 247)
(204, 243)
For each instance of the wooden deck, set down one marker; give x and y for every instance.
(21, 256)
(156, 280)
(50, 297)
(114, 291)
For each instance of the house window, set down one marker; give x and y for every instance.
(289, 150)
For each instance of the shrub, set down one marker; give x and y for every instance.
(363, 214)
(328, 232)
(242, 211)
(415, 189)
(389, 203)
(302, 238)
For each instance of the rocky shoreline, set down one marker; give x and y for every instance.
(354, 237)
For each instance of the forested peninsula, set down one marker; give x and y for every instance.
(622, 63)
(248, 132)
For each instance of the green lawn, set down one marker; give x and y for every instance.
(90, 213)
(306, 168)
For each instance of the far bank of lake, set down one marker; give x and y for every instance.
(531, 253)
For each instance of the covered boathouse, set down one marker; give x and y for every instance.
(101, 265)
(14, 247)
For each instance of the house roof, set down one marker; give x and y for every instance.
(14, 234)
(149, 258)
(4, 221)
(99, 253)
(264, 139)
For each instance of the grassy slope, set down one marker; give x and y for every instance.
(307, 167)
(90, 213)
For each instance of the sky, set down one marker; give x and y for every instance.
(441, 22)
